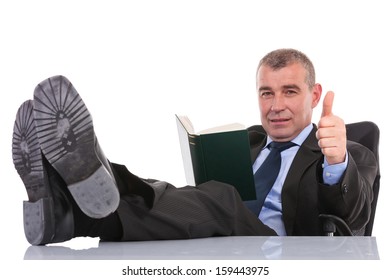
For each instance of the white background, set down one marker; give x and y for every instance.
(137, 63)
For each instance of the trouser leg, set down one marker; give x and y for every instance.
(166, 212)
(156, 210)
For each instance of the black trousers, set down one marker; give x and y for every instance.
(155, 210)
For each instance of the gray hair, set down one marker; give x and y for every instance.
(281, 58)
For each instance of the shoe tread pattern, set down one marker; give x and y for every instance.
(26, 153)
(38, 217)
(66, 135)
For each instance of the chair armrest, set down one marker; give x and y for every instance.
(332, 224)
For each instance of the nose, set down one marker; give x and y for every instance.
(278, 103)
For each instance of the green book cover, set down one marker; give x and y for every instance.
(221, 154)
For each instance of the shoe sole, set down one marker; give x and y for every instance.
(38, 212)
(67, 139)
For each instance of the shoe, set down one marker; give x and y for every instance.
(67, 140)
(47, 215)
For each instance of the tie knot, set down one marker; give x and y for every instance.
(281, 146)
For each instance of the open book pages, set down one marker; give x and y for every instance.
(190, 128)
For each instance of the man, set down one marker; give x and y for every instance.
(318, 174)
(75, 191)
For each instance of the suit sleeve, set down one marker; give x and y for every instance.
(351, 198)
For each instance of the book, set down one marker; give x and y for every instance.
(221, 153)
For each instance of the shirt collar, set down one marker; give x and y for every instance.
(300, 138)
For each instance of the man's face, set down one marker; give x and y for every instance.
(285, 101)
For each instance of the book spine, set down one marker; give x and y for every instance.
(197, 159)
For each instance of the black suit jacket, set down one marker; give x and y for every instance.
(305, 196)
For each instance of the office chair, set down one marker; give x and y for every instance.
(367, 134)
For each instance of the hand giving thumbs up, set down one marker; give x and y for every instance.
(331, 133)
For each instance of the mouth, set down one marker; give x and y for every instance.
(279, 121)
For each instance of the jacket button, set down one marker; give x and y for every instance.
(345, 189)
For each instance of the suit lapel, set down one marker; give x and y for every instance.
(307, 154)
(257, 140)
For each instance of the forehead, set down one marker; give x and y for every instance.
(291, 74)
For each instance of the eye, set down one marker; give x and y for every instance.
(266, 94)
(291, 92)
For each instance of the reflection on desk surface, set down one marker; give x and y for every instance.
(237, 247)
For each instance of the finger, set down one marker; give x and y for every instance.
(326, 122)
(327, 104)
(327, 143)
(324, 132)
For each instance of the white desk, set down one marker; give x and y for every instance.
(235, 248)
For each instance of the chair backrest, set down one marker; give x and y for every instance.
(367, 134)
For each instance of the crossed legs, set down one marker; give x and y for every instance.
(73, 190)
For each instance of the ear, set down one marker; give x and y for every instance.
(316, 95)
